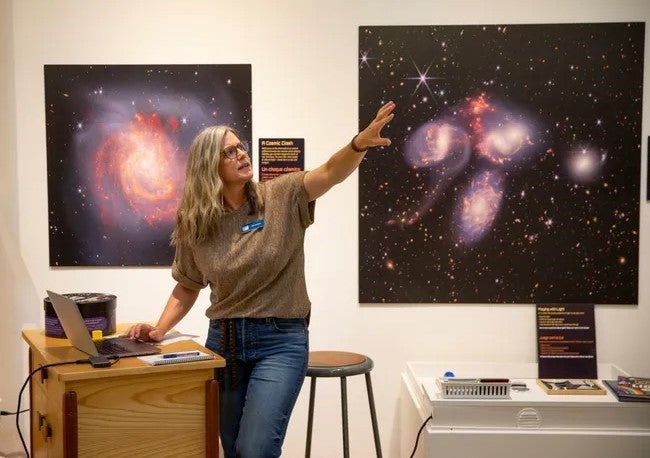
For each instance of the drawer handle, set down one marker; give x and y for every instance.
(43, 426)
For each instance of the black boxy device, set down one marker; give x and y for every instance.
(97, 310)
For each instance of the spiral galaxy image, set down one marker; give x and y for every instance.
(117, 143)
(514, 170)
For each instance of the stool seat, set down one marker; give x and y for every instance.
(337, 364)
(340, 364)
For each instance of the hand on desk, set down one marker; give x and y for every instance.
(144, 332)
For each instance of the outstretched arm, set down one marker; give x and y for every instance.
(347, 159)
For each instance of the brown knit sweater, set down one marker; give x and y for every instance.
(260, 273)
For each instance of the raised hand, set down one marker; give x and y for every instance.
(371, 135)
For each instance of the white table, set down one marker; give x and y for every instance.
(531, 424)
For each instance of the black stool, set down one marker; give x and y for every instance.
(340, 364)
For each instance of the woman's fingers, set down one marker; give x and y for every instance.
(378, 125)
(372, 133)
(138, 331)
(386, 120)
(387, 108)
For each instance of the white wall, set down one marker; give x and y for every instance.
(305, 84)
(15, 279)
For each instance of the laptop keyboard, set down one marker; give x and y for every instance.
(107, 347)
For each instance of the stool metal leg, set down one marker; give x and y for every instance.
(373, 415)
(344, 413)
(310, 421)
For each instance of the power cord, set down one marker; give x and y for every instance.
(417, 438)
(5, 412)
(95, 361)
(20, 394)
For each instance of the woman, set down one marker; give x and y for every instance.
(245, 240)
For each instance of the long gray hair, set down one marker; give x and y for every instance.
(198, 214)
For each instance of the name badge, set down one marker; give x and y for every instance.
(248, 227)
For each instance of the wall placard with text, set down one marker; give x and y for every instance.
(281, 155)
(566, 341)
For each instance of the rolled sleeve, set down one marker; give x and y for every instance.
(307, 212)
(306, 209)
(185, 270)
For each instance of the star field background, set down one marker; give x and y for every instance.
(117, 144)
(514, 173)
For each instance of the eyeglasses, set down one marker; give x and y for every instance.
(231, 151)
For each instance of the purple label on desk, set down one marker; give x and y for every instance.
(53, 325)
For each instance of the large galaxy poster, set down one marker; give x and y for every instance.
(117, 143)
(514, 172)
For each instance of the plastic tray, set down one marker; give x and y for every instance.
(473, 389)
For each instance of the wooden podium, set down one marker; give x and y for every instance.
(129, 409)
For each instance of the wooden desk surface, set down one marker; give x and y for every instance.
(54, 349)
(82, 412)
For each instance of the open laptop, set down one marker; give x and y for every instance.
(76, 331)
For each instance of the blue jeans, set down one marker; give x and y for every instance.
(270, 367)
